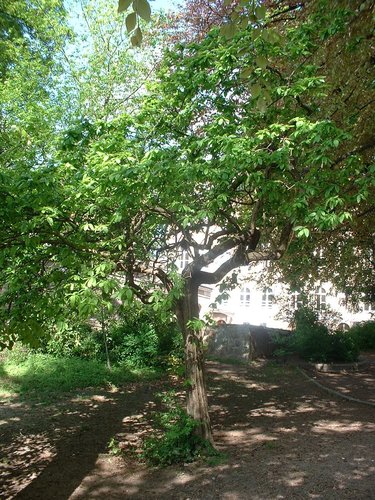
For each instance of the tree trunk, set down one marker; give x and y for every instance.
(197, 404)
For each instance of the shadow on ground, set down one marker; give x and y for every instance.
(284, 438)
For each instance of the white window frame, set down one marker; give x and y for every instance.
(183, 260)
(268, 298)
(320, 299)
(245, 296)
(297, 300)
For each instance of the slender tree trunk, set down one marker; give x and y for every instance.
(104, 333)
(197, 404)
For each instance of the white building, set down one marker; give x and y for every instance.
(249, 303)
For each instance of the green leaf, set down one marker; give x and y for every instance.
(123, 5)
(143, 9)
(255, 90)
(261, 62)
(245, 73)
(131, 21)
(302, 231)
(136, 39)
(228, 30)
(260, 12)
(261, 105)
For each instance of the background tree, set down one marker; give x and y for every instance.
(104, 75)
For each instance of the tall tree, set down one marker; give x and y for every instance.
(236, 152)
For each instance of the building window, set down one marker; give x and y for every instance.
(369, 306)
(204, 291)
(268, 298)
(297, 300)
(319, 299)
(245, 297)
(183, 260)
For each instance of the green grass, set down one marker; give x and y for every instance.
(45, 377)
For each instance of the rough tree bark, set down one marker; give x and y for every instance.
(197, 404)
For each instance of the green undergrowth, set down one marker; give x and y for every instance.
(45, 377)
(176, 441)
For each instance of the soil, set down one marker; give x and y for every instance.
(282, 436)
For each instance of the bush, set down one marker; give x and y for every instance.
(177, 442)
(312, 341)
(139, 339)
(135, 347)
(79, 341)
(364, 335)
(283, 345)
(144, 339)
(343, 348)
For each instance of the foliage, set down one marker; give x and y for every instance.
(141, 10)
(143, 338)
(178, 441)
(343, 347)
(104, 77)
(75, 341)
(119, 193)
(364, 335)
(43, 376)
(284, 346)
(114, 447)
(246, 145)
(306, 297)
(311, 338)
(313, 341)
(139, 338)
(32, 37)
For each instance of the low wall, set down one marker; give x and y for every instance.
(241, 342)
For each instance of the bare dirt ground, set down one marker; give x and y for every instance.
(283, 437)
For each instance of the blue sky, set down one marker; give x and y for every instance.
(165, 4)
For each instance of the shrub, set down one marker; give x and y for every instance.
(313, 341)
(136, 348)
(364, 335)
(76, 341)
(139, 339)
(283, 345)
(142, 338)
(177, 441)
(343, 347)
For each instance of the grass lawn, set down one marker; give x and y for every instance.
(45, 377)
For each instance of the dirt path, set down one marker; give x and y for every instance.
(283, 436)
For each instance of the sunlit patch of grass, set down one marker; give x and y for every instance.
(45, 377)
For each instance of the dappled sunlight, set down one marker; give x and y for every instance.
(307, 444)
(286, 430)
(305, 407)
(268, 411)
(10, 419)
(341, 426)
(243, 435)
(24, 459)
(295, 478)
(77, 430)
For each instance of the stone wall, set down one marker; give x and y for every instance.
(241, 342)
